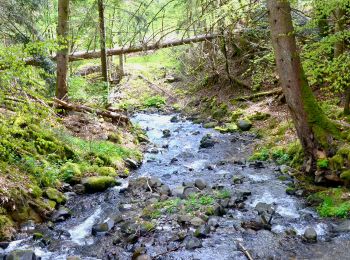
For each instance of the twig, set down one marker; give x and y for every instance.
(245, 251)
(149, 186)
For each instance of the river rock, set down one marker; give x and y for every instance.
(73, 258)
(166, 133)
(154, 182)
(55, 195)
(219, 210)
(174, 119)
(184, 219)
(4, 245)
(202, 232)
(164, 190)
(21, 255)
(178, 192)
(200, 184)
(193, 243)
(143, 257)
(207, 142)
(196, 221)
(132, 164)
(188, 191)
(244, 125)
(263, 208)
(213, 222)
(79, 189)
(98, 183)
(310, 235)
(61, 214)
(102, 228)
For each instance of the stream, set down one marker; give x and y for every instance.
(175, 160)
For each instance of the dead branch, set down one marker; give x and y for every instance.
(117, 118)
(276, 91)
(244, 251)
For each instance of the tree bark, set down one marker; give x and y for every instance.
(62, 54)
(103, 40)
(339, 46)
(314, 129)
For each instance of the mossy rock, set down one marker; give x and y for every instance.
(345, 175)
(35, 191)
(227, 128)
(244, 124)
(52, 204)
(6, 228)
(107, 171)
(70, 172)
(25, 213)
(38, 236)
(55, 195)
(115, 138)
(259, 116)
(210, 125)
(98, 183)
(336, 162)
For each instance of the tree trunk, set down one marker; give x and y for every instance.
(62, 53)
(347, 102)
(103, 40)
(121, 71)
(339, 46)
(314, 129)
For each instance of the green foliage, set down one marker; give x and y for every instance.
(323, 163)
(6, 228)
(223, 194)
(332, 202)
(261, 155)
(154, 101)
(195, 201)
(80, 89)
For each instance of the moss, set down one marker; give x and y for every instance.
(107, 171)
(37, 236)
(52, 204)
(98, 183)
(70, 172)
(321, 126)
(259, 116)
(148, 226)
(210, 125)
(336, 162)
(227, 128)
(6, 228)
(345, 175)
(236, 114)
(115, 138)
(323, 163)
(55, 195)
(35, 191)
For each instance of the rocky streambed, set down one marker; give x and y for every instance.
(194, 197)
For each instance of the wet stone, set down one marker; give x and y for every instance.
(166, 133)
(200, 184)
(154, 182)
(213, 222)
(342, 227)
(61, 214)
(197, 221)
(188, 191)
(22, 255)
(310, 235)
(79, 189)
(202, 232)
(263, 208)
(174, 119)
(193, 243)
(244, 125)
(132, 163)
(4, 245)
(178, 192)
(143, 257)
(207, 142)
(102, 228)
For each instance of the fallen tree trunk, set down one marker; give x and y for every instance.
(276, 91)
(85, 55)
(116, 118)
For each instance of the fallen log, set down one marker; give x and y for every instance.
(85, 55)
(116, 118)
(272, 92)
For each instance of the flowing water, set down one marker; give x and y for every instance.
(178, 159)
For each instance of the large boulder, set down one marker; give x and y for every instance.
(21, 255)
(200, 184)
(98, 183)
(244, 125)
(193, 243)
(55, 195)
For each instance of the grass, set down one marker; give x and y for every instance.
(332, 202)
